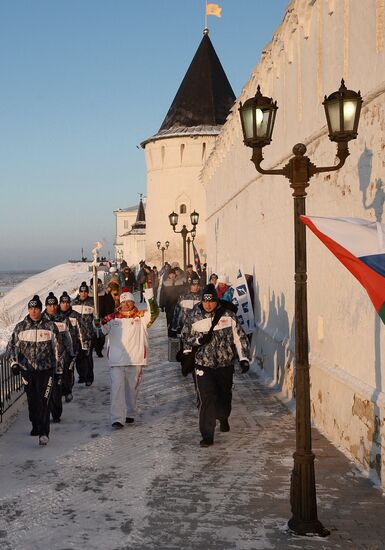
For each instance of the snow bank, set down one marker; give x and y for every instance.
(13, 306)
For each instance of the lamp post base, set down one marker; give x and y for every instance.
(307, 528)
(304, 520)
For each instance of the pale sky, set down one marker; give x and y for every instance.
(83, 83)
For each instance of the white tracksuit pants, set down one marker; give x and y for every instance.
(125, 383)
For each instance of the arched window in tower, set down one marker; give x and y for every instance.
(182, 209)
(203, 152)
(163, 152)
(182, 146)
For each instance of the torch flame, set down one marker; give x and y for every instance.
(98, 246)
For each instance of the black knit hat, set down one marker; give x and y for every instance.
(35, 302)
(209, 294)
(84, 287)
(51, 300)
(65, 298)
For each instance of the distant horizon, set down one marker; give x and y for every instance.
(22, 271)
(74, 111)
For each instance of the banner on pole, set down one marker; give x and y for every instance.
(197, 260)
(241, 297)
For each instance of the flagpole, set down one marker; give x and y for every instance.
(206, 29)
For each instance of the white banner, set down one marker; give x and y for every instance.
(241, 297)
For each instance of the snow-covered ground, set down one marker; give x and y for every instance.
(13, 306)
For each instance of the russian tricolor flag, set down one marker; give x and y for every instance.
(360, 246)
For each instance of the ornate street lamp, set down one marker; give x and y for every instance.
(194, 217)
(257, 118)
(342, 111)
(173, 218)
(163, 248)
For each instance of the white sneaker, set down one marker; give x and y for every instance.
(43, 440)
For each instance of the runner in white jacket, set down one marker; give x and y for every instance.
(127, 352)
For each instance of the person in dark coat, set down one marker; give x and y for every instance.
(190, 274)
(52, 314)
(185, 304)
(98, 337)
(127, 279)
(84, 305)
(77, 336)
(155, 278)
(141, 279)
(35, 352)
(171, 289)
(217, 350)
(203, 276)
(109, 300)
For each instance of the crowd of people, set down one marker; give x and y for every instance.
(50, 346)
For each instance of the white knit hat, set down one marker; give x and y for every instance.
(126, 297)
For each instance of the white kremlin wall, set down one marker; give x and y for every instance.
(173, 169)
(250, 217)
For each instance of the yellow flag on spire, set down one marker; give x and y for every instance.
(213, 9)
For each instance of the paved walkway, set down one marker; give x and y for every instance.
(150, 485)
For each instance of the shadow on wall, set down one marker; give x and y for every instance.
(273, 342)
(373, 457)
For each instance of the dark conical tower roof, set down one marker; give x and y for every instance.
(140, 225)
(205, 95)
(204, 98)
(141, 216)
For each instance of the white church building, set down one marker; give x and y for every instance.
(130, 240)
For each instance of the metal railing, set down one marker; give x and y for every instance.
(11, 387)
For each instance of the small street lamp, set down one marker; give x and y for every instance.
(163, 248)
(194, 217)
(189, 241)
(257, 115)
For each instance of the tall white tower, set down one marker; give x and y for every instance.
(176, 153)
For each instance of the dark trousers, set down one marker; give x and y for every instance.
(215, 394)
(55, 404)
(85, 366)
(169, 317)
(38, 390)
(68, 377)
(98, 343)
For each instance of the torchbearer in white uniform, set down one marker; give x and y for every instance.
(127, 352)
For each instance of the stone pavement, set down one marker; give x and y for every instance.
(150, 485)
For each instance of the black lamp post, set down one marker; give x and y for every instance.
(163, 248)
(257, 118)
(194, 217)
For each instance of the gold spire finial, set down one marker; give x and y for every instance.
(205, 31)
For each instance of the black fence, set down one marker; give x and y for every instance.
(11, 387)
